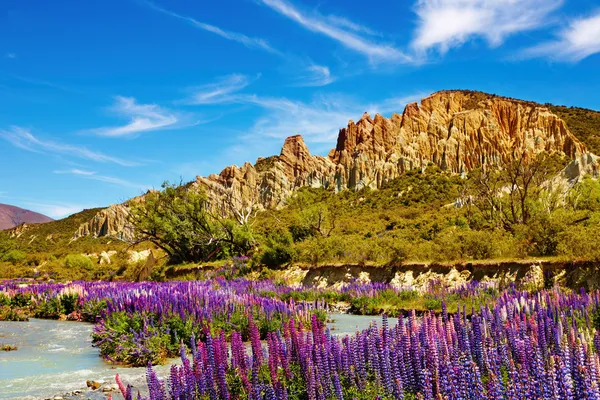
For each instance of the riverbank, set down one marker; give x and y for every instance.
(56, 360)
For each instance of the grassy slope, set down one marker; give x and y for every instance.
(583, 123)
(56, 237)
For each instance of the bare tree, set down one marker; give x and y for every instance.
(241, 206)
(507, 195)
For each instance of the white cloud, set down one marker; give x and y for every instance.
(444, 24)
(317, 121)
(102, 178)
(11, 55)
(250, 42)
(579, 40)
(349, 37)
(143, 118)
(318, 75)
(346, 23)
(219, 91)
(76, 171)
(23, 139)
(56, 210)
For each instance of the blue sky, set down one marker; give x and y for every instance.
(101, 100)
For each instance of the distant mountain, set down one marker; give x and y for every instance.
(11, 216)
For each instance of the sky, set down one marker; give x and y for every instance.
(102, 100)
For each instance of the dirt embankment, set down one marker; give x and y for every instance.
(529, 274)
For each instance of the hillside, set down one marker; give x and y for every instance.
(404, 175)
(11, 216)
(583, 123)
(457, 130)
(51, 236)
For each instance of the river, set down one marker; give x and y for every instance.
(57, 357)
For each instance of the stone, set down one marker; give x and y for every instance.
(94, 385)
(137, 256)
(110, 388)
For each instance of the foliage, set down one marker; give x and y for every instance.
(14, 256)
(8, 347)
(277, 249)
(78, 262)
(509, 213)
(583, 123)
(183, 223)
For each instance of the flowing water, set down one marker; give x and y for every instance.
(57, 357)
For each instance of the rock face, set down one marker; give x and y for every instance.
(456, 130)
(11, 216)
(111, 221)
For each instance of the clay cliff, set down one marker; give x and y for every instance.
(456, 130)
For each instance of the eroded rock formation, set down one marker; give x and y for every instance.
(456, 130)
(112, 221)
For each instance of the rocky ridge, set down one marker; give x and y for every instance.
(456, 130)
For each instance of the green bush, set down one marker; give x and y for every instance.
(579, 242)
(78, 262)
(14, 257)
(277, 250)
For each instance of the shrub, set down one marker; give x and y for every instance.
(78, 262)
(579, 242)
(14, 257)
(277, 250)
(300, 232)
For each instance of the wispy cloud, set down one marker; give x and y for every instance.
(219, 91)
(318, 75)
(250, 42)
(142, 118)
(444, 24)
(76, 171)
(580, 39)
(338, 29)
(56, 210)
(41, 82)
(23, 139)
(318, 121)
(102, 178)
(11, 55)
(346, 23)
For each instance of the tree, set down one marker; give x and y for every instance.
(507, 195)
(585, 195)
(181, 221)
(240, 206)
(319, 217)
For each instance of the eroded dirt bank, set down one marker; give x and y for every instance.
(526, 274)
(529, 274)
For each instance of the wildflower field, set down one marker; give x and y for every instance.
(245, 339)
